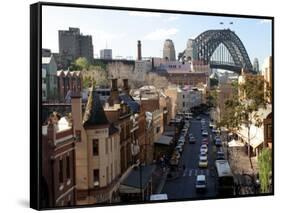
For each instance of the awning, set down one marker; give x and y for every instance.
(164, 140)
(235, 143)
(256, 135)
(133, 183)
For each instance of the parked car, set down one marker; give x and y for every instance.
(220, 156)
(204, 148)
(205, 141)
(201, 183)
(203, 162)
(215, 131)
(218, 142)
(205, 133)
(192, 140)
(179, 148)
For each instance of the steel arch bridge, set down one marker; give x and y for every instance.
(204, 46)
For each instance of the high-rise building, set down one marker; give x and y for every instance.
(169, 52)
(106, 54)
(256, 65)
(73, 44)
(190, 50)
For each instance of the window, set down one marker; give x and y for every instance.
(183, 96)
(183, 104)
(68, 167)
(111, 141)
(106, 146)
(95, 147)
(96, 177)
(61, 170)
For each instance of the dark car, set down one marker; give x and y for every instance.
(218, 142)
(220, 156)
(192, 139)
(198, 118)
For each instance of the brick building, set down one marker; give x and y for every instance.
(68, 82)
(58, 163)
(119, 113)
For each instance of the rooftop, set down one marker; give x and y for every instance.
(94, 114)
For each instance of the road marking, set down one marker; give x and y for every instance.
(196, 171)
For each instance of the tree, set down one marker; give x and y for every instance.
(242, 108)
(212, 98)
(265, 169)
(80, 63)
(96, 75)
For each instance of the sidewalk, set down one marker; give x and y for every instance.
(159, 177)
(242, 170)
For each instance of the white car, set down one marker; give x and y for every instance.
(204, 133)
(204, 148)
(201, 183)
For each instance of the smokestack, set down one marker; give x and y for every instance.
(139, 50)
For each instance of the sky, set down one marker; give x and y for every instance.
(120, 30)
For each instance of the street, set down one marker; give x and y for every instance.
(183, 187)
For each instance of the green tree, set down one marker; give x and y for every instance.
(212, 98)
(265, 169)
(82, 63)
(87, 82)
(242, 108)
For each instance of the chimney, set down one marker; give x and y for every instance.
(76, 112)
(139, 50)
(126, 86)
(114, 95)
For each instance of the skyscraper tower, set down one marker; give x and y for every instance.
(256, 65)
(169, 52)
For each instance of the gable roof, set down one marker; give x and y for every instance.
(94, 114)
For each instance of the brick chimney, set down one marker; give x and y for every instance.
(139, 50)
(114, 95)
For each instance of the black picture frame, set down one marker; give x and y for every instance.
(36, 97)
